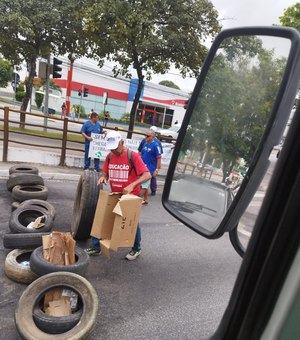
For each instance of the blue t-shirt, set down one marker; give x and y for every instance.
(88, 128)
(143, 142)
(150, 153)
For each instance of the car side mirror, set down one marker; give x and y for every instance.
(236, 115)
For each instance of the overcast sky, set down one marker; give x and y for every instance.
(237, 13)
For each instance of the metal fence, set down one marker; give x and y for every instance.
(12, 126)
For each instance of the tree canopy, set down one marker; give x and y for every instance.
(234, 105)
(169, 83)
(34, 28)
(5, 72)
(139, 36)
(291, 17)
(149, 36)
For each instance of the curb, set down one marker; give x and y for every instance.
(4, 174)
(48, 176)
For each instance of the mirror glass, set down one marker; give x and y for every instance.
(226, 124)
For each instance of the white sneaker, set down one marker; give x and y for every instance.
(132, 255)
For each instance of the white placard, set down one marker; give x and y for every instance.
(97, 147)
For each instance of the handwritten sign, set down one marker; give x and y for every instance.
(98, 144)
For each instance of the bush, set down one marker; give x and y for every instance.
(20, 95)
(39, 99)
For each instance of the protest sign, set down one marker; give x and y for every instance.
(97, 147)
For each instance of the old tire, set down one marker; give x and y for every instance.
(53, 324)
(15, 205)
(23, 179)
(22, 193)
(23, 168)
(17, 268)
(40, 266)
(85, 205)
(23, 240)
(22, 216)
(40, 203)
(34, 293)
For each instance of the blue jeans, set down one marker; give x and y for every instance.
(153, 185)
(87, 160)
(137, 241)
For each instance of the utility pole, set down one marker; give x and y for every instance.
(69, 84)
(80, 92)
(46, 102)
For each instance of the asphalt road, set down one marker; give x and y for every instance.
(177, 289)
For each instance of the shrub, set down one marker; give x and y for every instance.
(39, 99)
(20, 95)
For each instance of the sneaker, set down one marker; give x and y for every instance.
(132, 255)
(93, 251)
(153, 193)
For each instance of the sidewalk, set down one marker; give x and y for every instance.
(62, 173)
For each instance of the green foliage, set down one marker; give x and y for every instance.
(20, 95)
(125, 117)
(81, 111)
(291, 17)
(150, 36)
(33, 28)
(5, 72)
(39, 97)
(234, 106)
(169, 83)
(42, 82)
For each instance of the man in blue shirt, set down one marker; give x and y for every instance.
(151, 156)
(153, 183)
(91, 126)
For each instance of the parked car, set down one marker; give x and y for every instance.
(168, 134)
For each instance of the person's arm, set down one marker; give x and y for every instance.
(142, 179)
(103, 178)
(158, 166)
(86, 136)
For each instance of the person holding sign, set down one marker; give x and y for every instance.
(91, 126)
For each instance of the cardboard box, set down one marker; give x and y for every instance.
(116, 219)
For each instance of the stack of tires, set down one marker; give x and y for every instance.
(25, 264)
(29, 197)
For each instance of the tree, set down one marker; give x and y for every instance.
(149, 36)
(169, 83)
(5, 72)
(234, 105)
(291, 17)
(33, 28)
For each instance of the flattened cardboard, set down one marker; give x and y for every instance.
(59, 308)
(116, 220)
(104, 217)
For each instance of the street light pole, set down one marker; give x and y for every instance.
(46, 93)
(69, 84)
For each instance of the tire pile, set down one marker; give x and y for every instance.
(25, 264)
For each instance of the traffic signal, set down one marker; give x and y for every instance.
(79, 92)
(56, 68)
(15, 80)
(85, 92)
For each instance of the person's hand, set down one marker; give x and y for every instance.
(104, 132)
(90, 139)
(102, 180)
(155, 173)
(128, 189)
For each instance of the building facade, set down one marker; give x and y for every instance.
(158, 105)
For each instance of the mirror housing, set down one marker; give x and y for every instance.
(282, 105)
